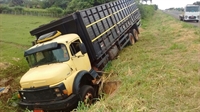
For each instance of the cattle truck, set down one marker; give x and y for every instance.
(68, 54)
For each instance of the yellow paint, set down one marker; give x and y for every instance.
(57, 73)
(68, 82)
(45, 75)
(49, 38)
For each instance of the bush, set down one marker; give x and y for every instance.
(147, 10)
(76, 5)
(18, 9)
(5, 8)
(55, 10)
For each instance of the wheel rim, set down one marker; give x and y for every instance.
(88, 99)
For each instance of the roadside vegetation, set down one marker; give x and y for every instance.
(53, 8)
(159, 73)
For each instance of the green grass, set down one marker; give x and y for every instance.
(14, 40)
(160, 73)
(15, 28)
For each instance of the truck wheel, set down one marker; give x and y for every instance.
(197, 21)
(135, 34)
(132, 40)
(87, 94)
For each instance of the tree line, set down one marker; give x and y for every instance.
(57, 8)
(53, 6)
(53, 3)
(197, 3)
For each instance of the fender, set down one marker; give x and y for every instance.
(78, 78)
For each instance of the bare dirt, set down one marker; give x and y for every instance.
(108, 85)
(4, 65)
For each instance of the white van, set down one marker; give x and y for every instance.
(191, 13)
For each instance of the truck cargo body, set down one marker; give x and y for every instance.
(99, 27)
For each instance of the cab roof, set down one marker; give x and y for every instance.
(60, 39)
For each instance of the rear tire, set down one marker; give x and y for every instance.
(135, 34)
(87, 94)
(131, 38)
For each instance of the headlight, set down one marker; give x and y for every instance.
(58, 94)
(57, 90)
(186, 17)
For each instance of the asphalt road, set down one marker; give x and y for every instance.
(176, 14)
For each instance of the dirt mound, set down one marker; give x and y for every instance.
(109, 86)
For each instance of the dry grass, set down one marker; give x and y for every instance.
(160, 73)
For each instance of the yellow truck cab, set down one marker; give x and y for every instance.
(69, 53)
(54, 64)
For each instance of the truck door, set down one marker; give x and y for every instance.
(80, 61)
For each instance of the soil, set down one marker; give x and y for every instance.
(4, 65)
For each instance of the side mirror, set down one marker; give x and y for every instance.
(82, 48)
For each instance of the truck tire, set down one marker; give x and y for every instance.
(87, 94)
(135, 34)
(131, 38)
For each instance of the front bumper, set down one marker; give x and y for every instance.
(53, 105)
(191, 18)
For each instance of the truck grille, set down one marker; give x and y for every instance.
(43, 94)
(192, 17)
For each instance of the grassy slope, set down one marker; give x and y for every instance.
(160, 73)
(15, 28)
(14, 39)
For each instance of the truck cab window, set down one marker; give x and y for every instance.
(56, 55)
(74, 47)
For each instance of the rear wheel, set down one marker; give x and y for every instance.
(87, 94)
(132, 40)
(136, 35)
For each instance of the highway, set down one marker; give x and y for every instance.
(176, 14)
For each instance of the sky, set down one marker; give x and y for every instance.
(164, 4)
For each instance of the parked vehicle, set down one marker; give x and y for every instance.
(69, 52)
(191, 13)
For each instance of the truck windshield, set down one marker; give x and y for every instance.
(50, 56)
(192, 9)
